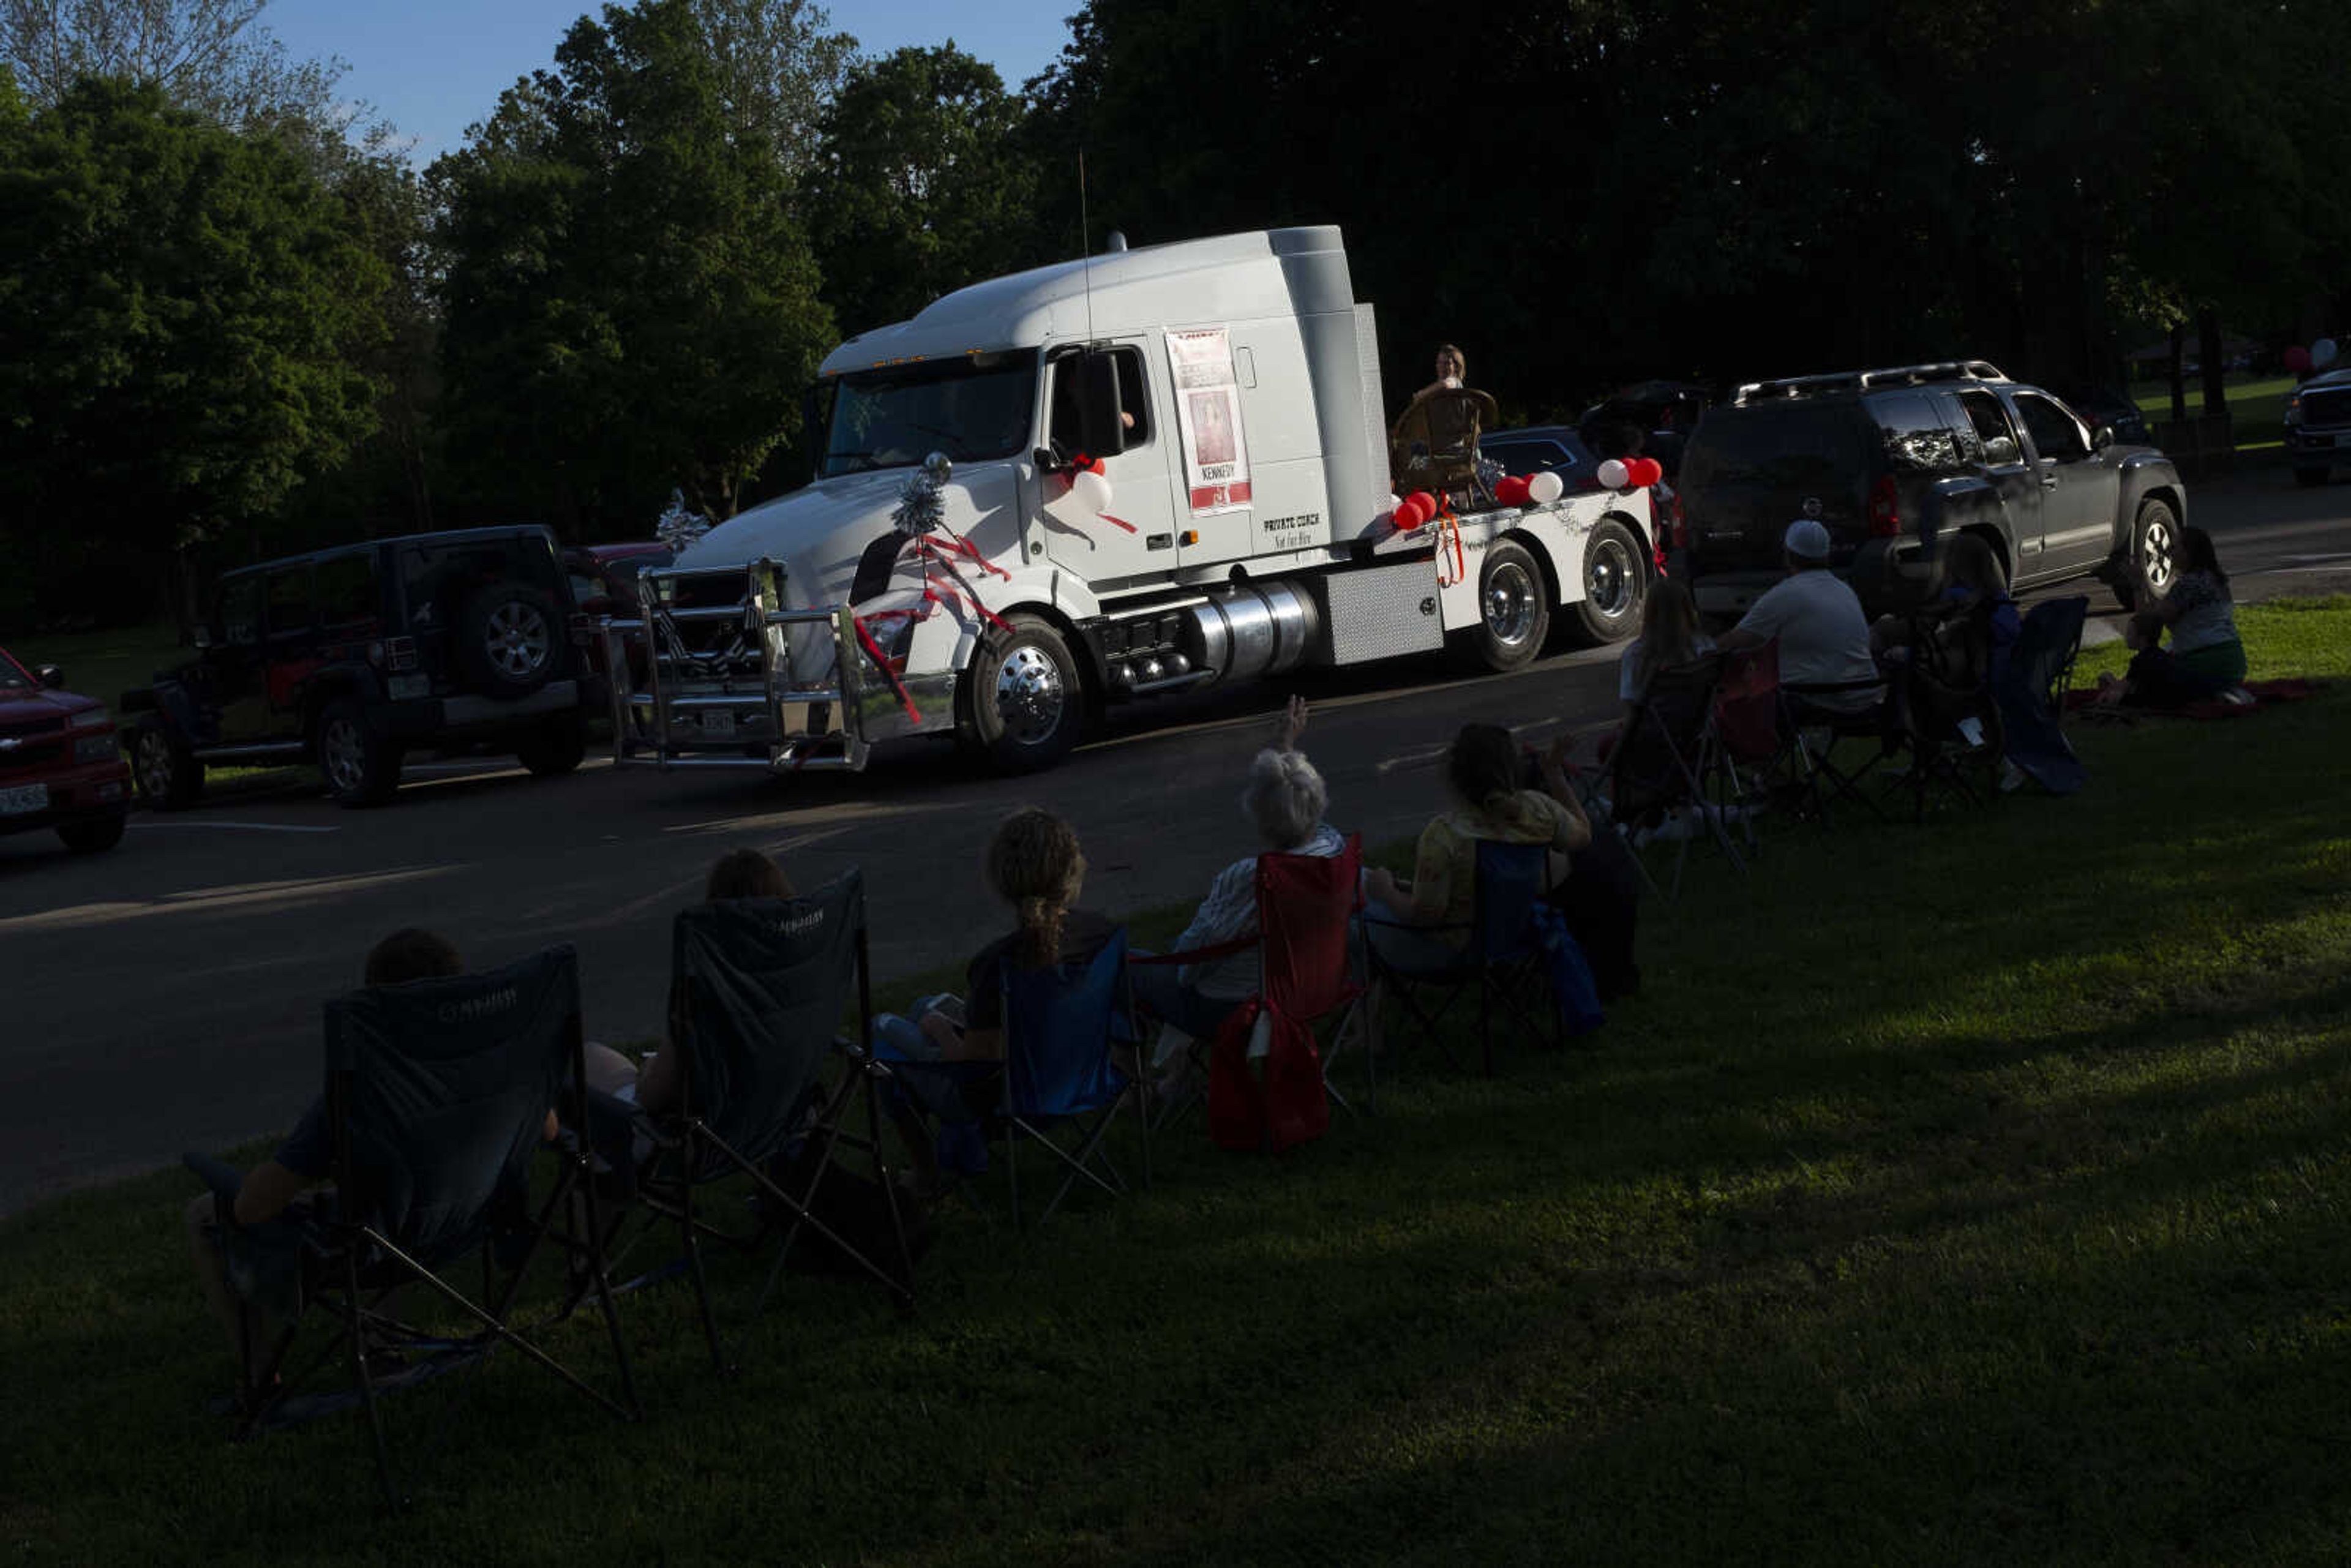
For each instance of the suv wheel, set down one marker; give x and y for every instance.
(95, 834)
(510, 637)
(1616, 581)
(361, 768)
(2155, 542)
(1023, 701)
(554, 748)
(1513, 611)
(166, 772)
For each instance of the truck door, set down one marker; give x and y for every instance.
(290, 657)
(1135, 533)
(2001, 456)
(2079, 489)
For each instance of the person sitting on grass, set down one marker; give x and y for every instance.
(1284, 801)
(278, 1188)
(1426, 926)
(1035, 865)
(2202, 614)
(2156, 680)
(652, 1087)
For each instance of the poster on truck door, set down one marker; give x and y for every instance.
(1208, 412)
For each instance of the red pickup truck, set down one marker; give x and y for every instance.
(60, 765)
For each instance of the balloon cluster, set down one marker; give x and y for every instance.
(1415, 510)
(1630, 473)
(2301, 361)
(1529, 490)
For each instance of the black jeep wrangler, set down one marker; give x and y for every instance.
(1891, 461)
(350, 657)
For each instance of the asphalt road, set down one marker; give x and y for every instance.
(166, 995)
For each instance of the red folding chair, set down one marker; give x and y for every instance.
(1306, 910)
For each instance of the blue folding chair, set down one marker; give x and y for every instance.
(1062, 1024)
(436, 1095)
(1502, 949)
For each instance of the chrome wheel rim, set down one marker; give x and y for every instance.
(1608, 579)
(1029, 695)
(155, 765)
(2155, 555)
(517, 638)
(1509, 604)
(342, 757)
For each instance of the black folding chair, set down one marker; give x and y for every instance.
(1663, 758)
(1502, 949)
(437, 1093)
(1943, 689)
(759, 986)
(1814, 705)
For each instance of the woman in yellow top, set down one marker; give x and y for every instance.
(1427, 925)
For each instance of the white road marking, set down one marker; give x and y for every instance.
(239, 827)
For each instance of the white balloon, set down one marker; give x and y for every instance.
(1545, 488)
(1090, 492)
(1613, 475)
(2322, 353)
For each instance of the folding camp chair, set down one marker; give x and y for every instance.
(1306, 910)
(1662, 760)
(1060, 1024)
(2030, 693)
(1812, 706)
(1943, 692)
(1503, 949)
(758, 989)
(437, 1093)
(1748, 739)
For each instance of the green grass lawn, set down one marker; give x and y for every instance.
(2256, 408)
(1967, 1193)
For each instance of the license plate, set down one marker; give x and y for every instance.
(718, 726)
(24, 798)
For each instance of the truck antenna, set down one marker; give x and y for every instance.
(1085, 246)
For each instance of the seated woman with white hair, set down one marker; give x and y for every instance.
(1285, 799)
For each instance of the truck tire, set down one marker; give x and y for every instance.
(1023, 700)
(2155, 540)
(509, 638)
(1513, 609)
(554, 748)
(2309, 478)
(1616, 581)
(361, 763)
(94, 835)
(167, 772)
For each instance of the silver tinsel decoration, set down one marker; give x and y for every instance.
(679, 528)
(920, 506)
(1487, 471)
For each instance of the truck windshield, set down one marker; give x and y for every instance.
(974, 408)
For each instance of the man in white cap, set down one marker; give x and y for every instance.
(1823, 636)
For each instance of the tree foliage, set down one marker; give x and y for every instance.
(628, 305)
(186, 313)
(922, 185)
(210, 55)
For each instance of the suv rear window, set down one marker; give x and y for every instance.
(1815, 446)
(346, 589)
(1917, 440)
(289, 600)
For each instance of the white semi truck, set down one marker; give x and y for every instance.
(1097, 482)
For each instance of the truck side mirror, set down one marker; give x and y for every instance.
(2102, 438)
(52, 677)
(1101, 431)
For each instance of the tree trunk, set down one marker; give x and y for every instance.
(2178, 375)
(2216, 369)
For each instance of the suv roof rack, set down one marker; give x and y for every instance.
(1865, 381)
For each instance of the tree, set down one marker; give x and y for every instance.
(779, 64)
(627, 304)
(183, 306)
(209, 56)
(921, 185)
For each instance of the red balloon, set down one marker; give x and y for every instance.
(1425, 503)
(1643, 472)
(2297, 359)
(1407, 515)
(1510, 490)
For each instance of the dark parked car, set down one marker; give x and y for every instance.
(1665, 412)
(350, 657)
(2104, 406)
(2318, 426)
(1892, 460)
(1542, 449)
(59, 765)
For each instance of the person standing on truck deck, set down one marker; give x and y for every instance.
(1823, 636)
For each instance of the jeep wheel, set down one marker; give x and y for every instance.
(1616, 579)
(554, 748)
(510, 638)
(2155, 542)
(2309, 478)
(166, 772)
(93, 835)
(1513, 611)
(1022, 701)
(362, 766)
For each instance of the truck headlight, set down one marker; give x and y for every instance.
(2294, 409)
(91, 718)
(94, 748)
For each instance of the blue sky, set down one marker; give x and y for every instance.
(434, 67)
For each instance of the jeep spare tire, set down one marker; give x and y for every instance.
(508, 639)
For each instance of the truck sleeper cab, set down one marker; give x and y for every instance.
(1140, 473)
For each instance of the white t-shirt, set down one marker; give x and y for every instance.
(1823, 636)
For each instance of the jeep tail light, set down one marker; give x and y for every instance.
(400, 653)
(1885, 509)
